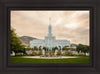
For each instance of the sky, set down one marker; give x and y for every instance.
(68, 25)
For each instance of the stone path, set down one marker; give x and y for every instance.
(38, 57)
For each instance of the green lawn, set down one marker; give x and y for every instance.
(56, 61)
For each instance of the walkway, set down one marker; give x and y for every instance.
(38, 57)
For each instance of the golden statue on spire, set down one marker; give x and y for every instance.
(49, 18)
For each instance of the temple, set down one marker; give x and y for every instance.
(49, 41)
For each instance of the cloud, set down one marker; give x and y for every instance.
(71, 25)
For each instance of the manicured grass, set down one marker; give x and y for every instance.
(56, 61)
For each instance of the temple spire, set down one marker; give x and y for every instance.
(49, 20)
(50, 34)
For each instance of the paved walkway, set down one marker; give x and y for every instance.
(49, 57)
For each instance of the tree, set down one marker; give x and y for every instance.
(60, 47)
(85, 49)
(79, 48)
(65, 48)
(35, 48)
(82, 48)
(28, 48)
(16, 44)
(39, 48)
(55, 48)
(44, 48)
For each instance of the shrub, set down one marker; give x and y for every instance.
(25, 54)
(59, 53)
(40, 53)
(33, 54)
(81, 55)
(54, 55)
(19, 54)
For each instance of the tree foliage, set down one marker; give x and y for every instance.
(79, 48)
(16, 44)
(54, 48)
(85, 49)
(35, 48)
(44, 48)
(82, 48)
(65, 48)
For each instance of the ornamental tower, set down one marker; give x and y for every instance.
(50, 28)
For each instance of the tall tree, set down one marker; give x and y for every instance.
(85, 49)
(82, 48)
(79, 48)
(15, 43)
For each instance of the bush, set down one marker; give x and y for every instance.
(69, 54)
(64, 55)
(59, 53)
(54, 55)
(72, 55)
(25, 54)
(19, 54)
(81, 55)
(40, 53)
(34, 54)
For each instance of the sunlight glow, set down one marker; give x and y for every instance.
(58, 21)
(72, 26)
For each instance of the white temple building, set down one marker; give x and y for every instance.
(49, 41)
